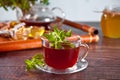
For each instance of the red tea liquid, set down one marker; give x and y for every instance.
(61, 58)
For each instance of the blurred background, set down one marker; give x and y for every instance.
(76, 10)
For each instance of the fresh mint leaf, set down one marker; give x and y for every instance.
(38, 59)
(46, 2)
(50, 37)
(29, 64)
(57, 37)
(72, 45)
(62, 34)
(68, 33)
(56, 30)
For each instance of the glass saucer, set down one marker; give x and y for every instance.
(79, 66)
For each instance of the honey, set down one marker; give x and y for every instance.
(110, 23)
(36, 32)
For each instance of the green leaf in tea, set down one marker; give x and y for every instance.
(57, 37)
(68, 34)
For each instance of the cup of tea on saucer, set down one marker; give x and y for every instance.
(64, 57)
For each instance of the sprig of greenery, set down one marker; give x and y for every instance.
(57, 37)
(38, 59)
(24, 5)
(46, 2)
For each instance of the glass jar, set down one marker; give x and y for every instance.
(110, 22)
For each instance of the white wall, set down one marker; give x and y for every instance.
(76, 10)
(7, 15)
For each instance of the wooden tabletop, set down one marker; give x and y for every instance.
(103, 59)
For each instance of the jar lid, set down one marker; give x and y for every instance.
(116, 9)
(112, 10)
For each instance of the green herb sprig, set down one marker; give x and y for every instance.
(46, 2)
(24, 5)
(57, 37)
(38, 59)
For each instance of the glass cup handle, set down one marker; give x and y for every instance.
(85, 53)
(63, 14)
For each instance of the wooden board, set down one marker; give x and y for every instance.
(7, 44)
(10, 45)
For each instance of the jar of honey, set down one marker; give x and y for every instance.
(110, 22)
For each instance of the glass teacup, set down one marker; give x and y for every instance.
(65, 60)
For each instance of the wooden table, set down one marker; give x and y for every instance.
(103, 58)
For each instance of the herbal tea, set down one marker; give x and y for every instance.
(61, 58)
(60, 53)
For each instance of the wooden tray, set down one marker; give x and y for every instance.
(11, 45)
